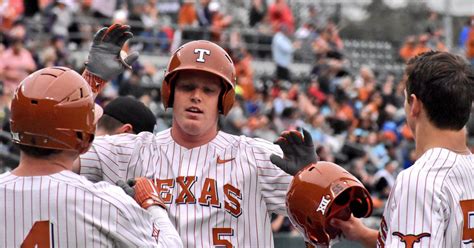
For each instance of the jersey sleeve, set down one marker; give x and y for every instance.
(137, 227)
(118, 157)
(415, 212)
(273, 181)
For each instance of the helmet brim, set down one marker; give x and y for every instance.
(98, 112)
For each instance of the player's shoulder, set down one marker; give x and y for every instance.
(133, 140)
(4, 177)
(113, 195)
(244, 142)
(432, 164)
(436, 159)
(104, 191)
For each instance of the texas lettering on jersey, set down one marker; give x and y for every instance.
(207, 197)
(219, 194)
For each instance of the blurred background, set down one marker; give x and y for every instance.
(334, 67)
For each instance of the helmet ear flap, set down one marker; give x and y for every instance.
(227, 101)
(86, 141)
(167, 91)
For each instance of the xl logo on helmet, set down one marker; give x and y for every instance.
(323, 205)
(201, 54)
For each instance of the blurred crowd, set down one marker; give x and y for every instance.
(355, 117)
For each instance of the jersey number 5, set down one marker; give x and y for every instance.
(223, 231)
(40, 235)
(468, 214)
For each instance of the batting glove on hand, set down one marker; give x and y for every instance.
(127, 187)
(298, 151)
(143, 191)
(106, 58)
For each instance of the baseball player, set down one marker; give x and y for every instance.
(432, 202)
(44, 203)
(219, 188)
(125, 115)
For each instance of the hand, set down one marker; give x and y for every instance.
(143, 191)
(298, 151)
(353, 229)
(127, 187)
(106, 58)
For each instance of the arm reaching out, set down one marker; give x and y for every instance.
(106, 58)
(354, 229)
(144, 192)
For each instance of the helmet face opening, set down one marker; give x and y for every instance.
(321, 192)
(205, 56)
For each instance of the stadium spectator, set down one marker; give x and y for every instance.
(465, 33)
(470, 43)
(220, 21)
(280, 13)
(257, 13)
(16, 62)
(407, 51)
(282, 53)
(204, 14)
(62, 18)
(384, 179)
(187, 16)
(244, 72)
(422, 45)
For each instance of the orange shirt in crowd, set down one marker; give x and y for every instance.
(407, 52)
(244, 73)
(421, 48)
(187, 15)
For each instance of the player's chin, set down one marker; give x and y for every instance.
(193, 127)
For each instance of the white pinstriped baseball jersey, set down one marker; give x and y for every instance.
(432, 203)
(220, 193)
(67, 210)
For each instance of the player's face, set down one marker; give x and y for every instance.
(196, 97)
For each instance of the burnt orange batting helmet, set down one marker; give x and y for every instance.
(323, 191)
(54, 108)
(205, 56)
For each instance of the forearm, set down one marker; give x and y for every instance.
(368, 238)
(97, 84)
(168, 236)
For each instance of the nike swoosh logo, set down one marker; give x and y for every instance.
(223, 161)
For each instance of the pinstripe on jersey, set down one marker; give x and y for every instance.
(82, 214)
(209, 203)
(425, 202)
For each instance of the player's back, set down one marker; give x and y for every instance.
(433, 198)
(64, 209)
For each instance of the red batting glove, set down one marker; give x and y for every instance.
(146, 194)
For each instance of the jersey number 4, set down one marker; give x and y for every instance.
(40, 235)
(468, 214)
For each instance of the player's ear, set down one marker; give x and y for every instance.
(415, 106)
(125, 128)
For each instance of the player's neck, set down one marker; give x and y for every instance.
(191, 141)
(428, 136)
(32, 166)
